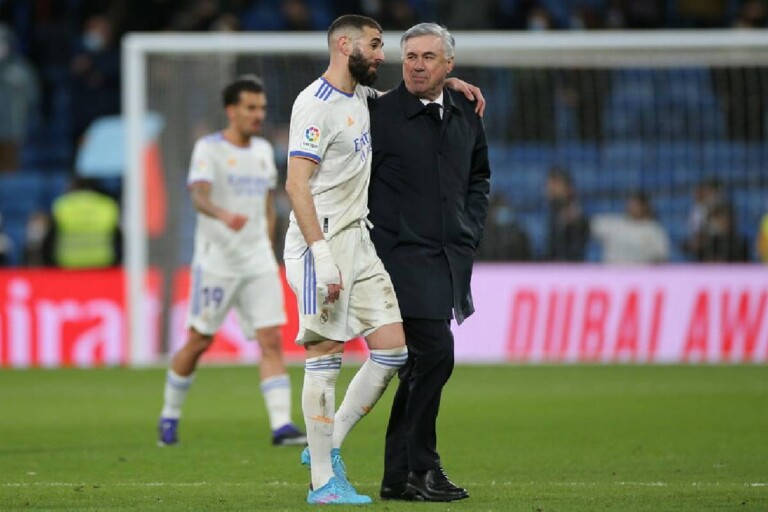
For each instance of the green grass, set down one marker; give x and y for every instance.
(567, 438)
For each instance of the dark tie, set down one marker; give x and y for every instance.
(433, 109)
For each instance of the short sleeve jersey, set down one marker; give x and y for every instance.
(240, 179)
(332, 127)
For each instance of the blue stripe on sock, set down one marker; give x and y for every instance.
(395, 361)
(332, 362)
(175, 382)
(276, 383)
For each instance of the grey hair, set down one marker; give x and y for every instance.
(430, 29)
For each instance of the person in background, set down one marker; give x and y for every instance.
(85, 229)
(38, 225)
(635, 237)
(505, 239)
(762, 239)
(568, 228)
(19, 95)
(231, 178)
(720, 241)
(6, 245)
(707, 195)
(95, 74)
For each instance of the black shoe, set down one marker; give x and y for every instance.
(396, 492)
(433, 485)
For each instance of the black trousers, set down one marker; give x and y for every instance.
(411, 443)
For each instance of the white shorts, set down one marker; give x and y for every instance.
(258, 301)
(367, 302)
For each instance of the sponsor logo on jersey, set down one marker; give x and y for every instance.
(363, 145)
(244, 185)
(311, 138)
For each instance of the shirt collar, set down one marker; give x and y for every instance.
(438, 100)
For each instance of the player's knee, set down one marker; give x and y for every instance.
(270, 341)
(198, 342)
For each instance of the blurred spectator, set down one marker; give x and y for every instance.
(762, 239)
(85, 229)
(753, 14)
(643, 14)
(95, 71)
(397, 15)
(475, 15)
(522, 15)
(633, 237)
(568, 229)
(287, 15)
(19, 95)
(719, 241)
(6, 245)
(38, 227)
(585, 17)
(707, 195)
(701, 13)
(504, 239)
(195, 16)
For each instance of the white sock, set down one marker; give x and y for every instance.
(277, 397)
(176, 389)
(366, 388)
(318, 402)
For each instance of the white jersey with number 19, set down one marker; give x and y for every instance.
(332, 127)
(240, 180)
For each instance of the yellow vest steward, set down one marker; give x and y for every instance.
(85, 227)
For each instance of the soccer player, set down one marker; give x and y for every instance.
(341, 286)
(231, 179)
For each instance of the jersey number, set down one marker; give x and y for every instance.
(212, 294)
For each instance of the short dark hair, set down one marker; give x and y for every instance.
(246, 83)
(354, 21)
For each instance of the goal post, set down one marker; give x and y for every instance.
(547, 105)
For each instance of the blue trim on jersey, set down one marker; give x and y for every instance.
(326, 88)
(324, 91)
(214, 137)
(196, 278)
(310, 285)
(305, 155)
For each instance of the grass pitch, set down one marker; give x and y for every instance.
(538, 439)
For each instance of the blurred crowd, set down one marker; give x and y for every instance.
(60, 70)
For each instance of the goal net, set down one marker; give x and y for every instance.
(658, 112)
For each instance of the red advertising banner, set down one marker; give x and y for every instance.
(525, 314)
(605, 314)
(56, 318)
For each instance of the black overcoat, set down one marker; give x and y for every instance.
(428, 200)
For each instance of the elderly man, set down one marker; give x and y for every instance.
(428, 199)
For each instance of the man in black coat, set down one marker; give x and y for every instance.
(428, 200)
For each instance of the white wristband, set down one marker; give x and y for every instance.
(326, 270)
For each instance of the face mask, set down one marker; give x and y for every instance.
(503, 216)
(93, 41)
(537, 24)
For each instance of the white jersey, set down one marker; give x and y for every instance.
(240, 180)
(332, 128)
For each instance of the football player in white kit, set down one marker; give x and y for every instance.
(342, 288)
(231, 179)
